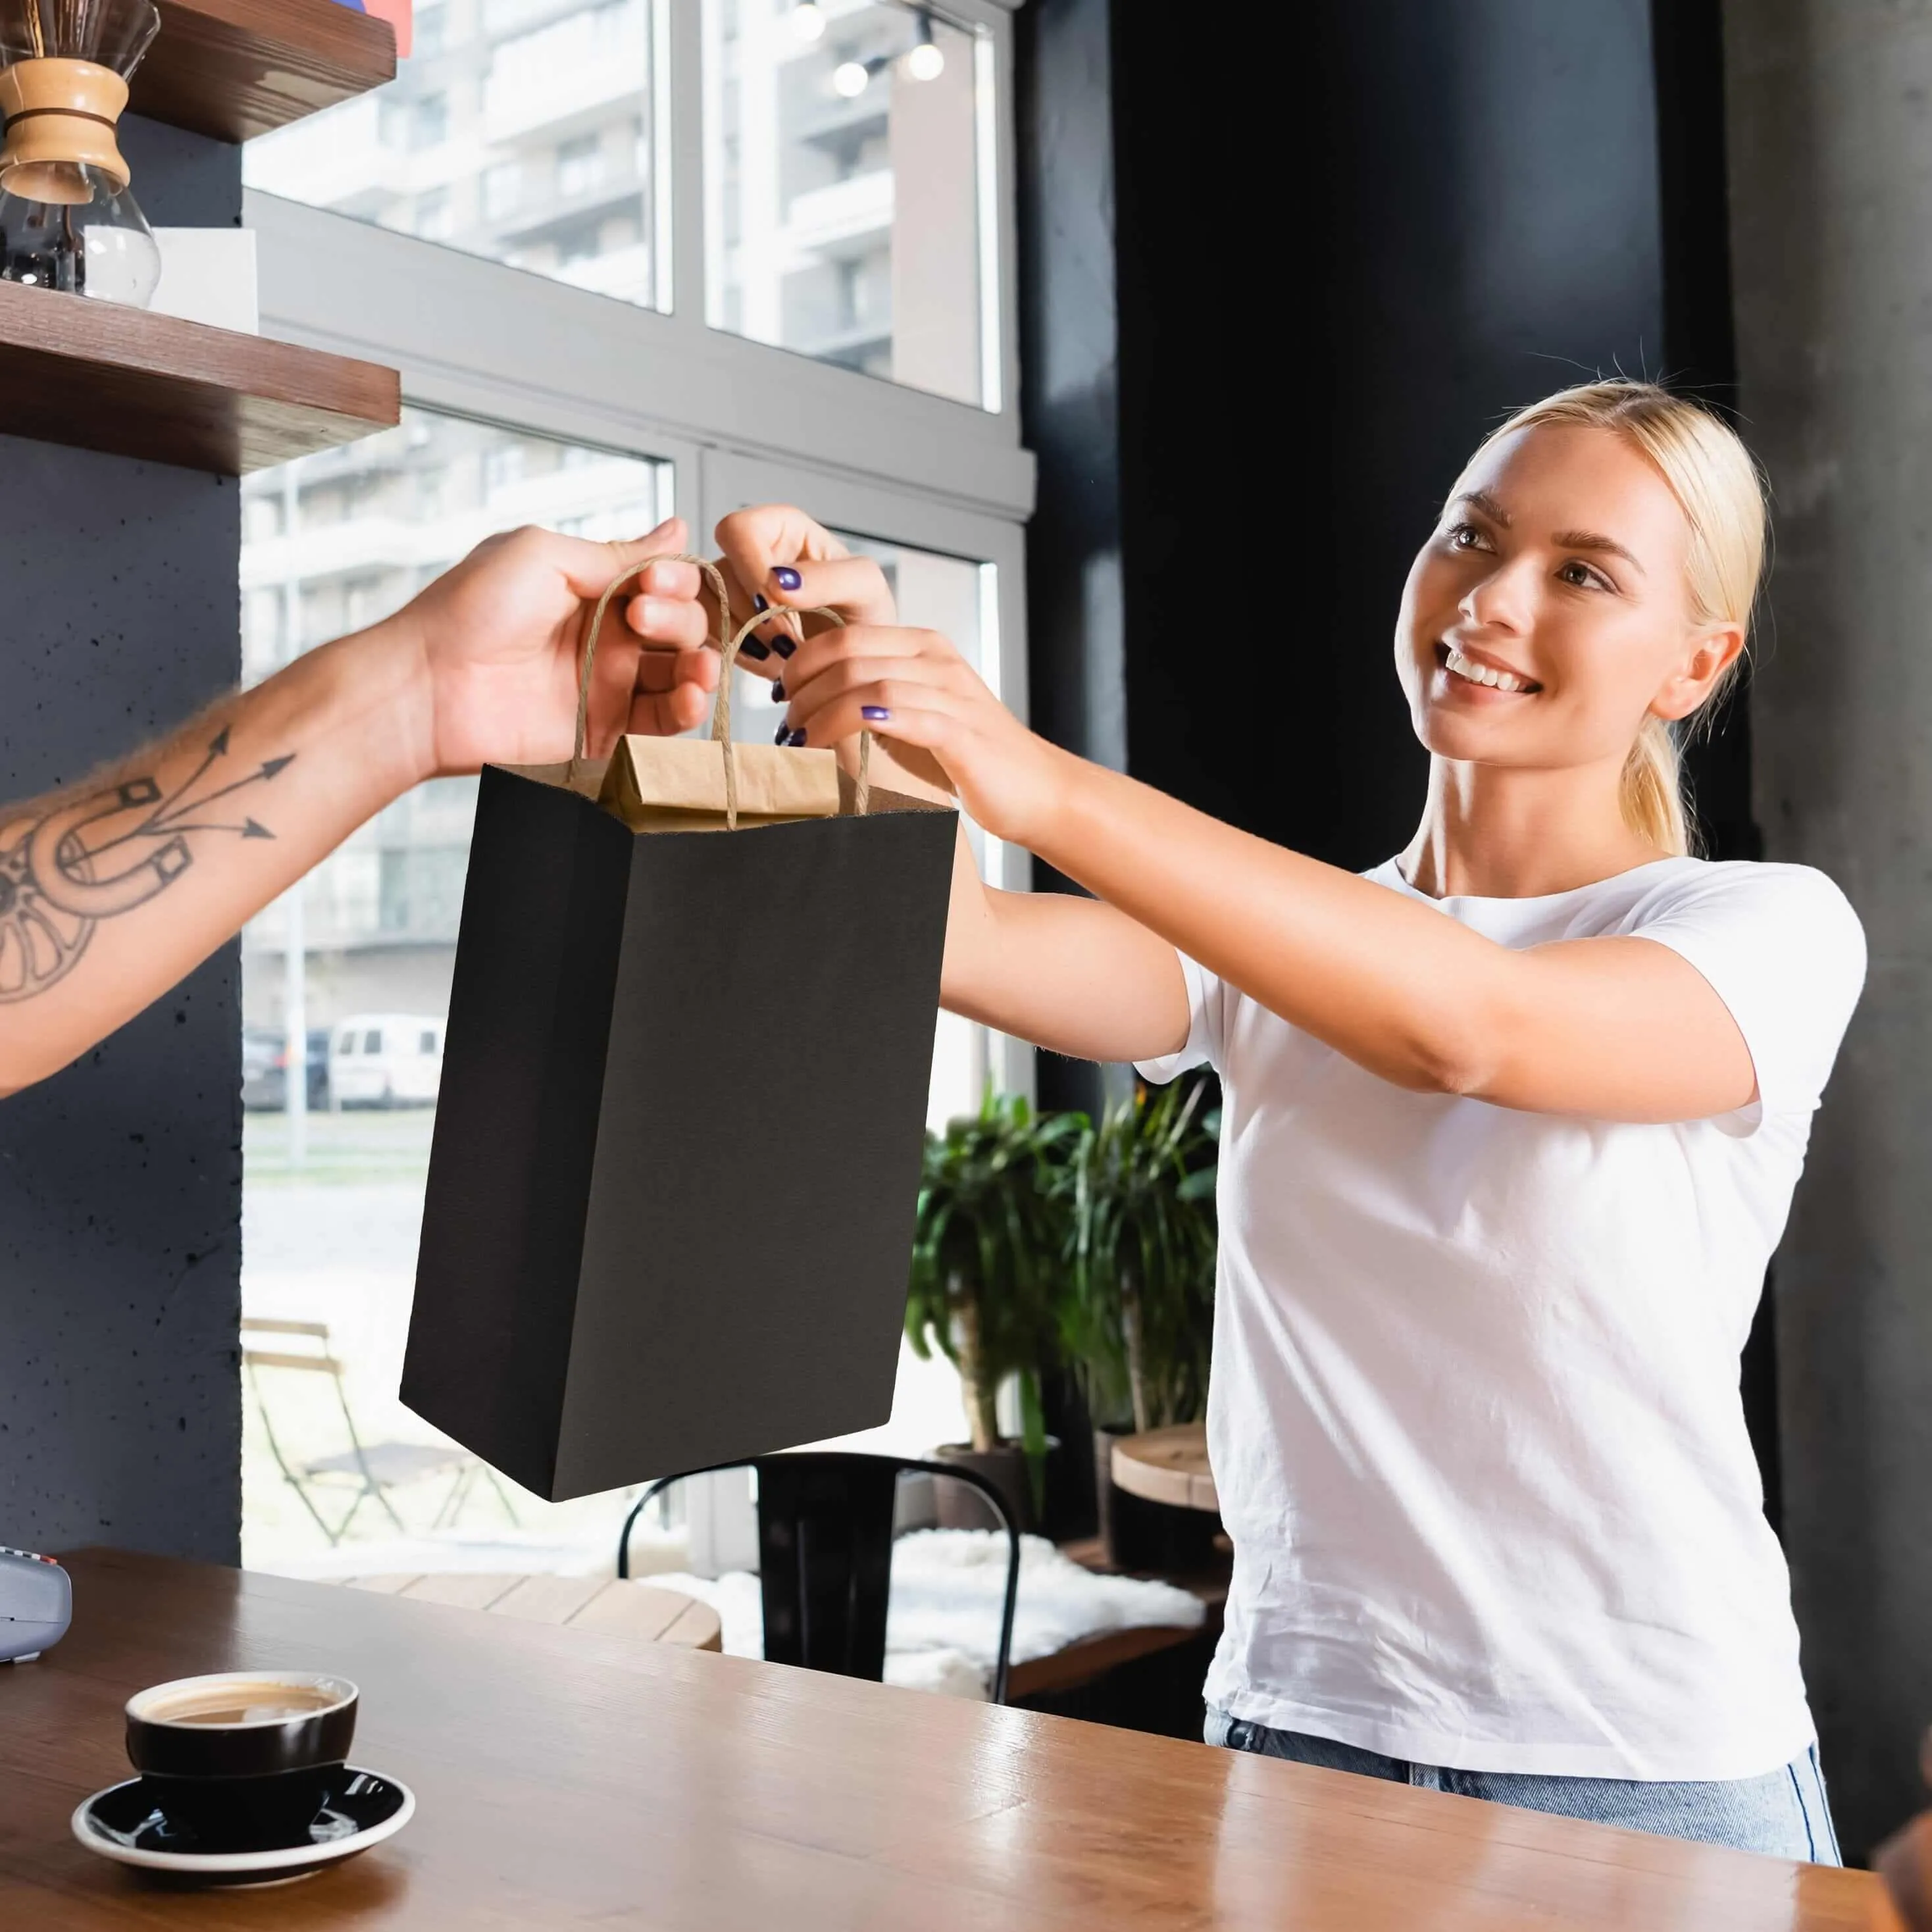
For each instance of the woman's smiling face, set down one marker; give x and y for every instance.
(1549, 614)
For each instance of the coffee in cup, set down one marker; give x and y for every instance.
(243, 1758)
(230, 1701)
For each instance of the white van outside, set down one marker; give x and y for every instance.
(386, 1060)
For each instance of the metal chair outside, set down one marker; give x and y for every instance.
(373, 1468)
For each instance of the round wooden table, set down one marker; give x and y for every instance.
(1167, 1466)
(617, 1607)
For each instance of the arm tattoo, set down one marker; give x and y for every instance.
(101, 852)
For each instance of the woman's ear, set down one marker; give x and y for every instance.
(1710, 653)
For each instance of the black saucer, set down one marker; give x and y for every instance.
(127, 1823)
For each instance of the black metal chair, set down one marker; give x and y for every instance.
(825, 1546)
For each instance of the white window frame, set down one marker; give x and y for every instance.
(460, 328)
(738, 421)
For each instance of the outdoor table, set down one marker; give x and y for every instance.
(1167, 1466)
(565, 1777)
(611, 1603)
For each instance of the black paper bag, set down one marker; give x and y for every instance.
(677, 1147)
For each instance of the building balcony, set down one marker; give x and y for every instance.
(845, 219)
(534, 220)
(566, 75)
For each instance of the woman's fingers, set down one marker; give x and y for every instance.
(806, 707)
(855, 586)
(908, 722)
(766, 548)
(922, 744)
(844, 643)
(755, 541)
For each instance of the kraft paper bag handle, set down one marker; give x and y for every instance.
(727, 649)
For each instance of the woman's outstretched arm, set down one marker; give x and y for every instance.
(1607, 1029)
(112, 890)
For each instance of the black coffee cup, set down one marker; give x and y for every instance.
(245, 1758)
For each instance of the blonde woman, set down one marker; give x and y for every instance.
(1512, 1124)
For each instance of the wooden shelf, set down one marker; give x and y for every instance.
(235, 68)
(102, 376)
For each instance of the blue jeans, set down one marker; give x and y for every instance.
(1784, 1813)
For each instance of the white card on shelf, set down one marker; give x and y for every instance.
(208, 275)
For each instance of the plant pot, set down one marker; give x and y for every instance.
(1005, 1467)
(1147, 1537)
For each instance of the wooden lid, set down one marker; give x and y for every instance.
(61, 115)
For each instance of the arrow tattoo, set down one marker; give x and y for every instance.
(53, 891)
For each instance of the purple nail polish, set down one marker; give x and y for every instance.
(784, 645)
(752, 648)
(875, 714)
(797, 738)
(777, 691)
(784, 732)
(787, 579)
(758, 603)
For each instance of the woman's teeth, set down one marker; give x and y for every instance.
(1476, 673)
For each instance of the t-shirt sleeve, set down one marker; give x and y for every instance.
(1786, 953)
(1204, 1000)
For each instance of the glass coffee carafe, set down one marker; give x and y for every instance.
(67, 219)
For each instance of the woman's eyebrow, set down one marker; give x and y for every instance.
(1590, 540)
(1482, 500)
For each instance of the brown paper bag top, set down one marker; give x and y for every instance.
(666, 784)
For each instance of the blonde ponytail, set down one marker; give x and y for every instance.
(1651, 790)
(1717, 487)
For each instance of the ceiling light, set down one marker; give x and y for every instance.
(850, 79)
(807, 22)
(925, 62)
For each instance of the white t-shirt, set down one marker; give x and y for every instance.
(1474, 1417)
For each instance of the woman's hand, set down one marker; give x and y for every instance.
(776, 556)
(911, 689)
(914, 690)
(763, 547)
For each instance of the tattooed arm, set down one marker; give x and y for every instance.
(112, 891)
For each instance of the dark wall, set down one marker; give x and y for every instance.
(1323, 308)
(120, 1179)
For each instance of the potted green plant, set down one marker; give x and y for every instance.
(1137, 1318)
(990, 1250)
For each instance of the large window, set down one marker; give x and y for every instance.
(540, 222)
(842, 214)
(525, 131)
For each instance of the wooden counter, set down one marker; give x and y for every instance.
(568, 1778)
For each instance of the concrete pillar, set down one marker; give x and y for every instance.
(120, 1178)
(1829, 108)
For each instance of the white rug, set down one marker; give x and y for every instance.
(943, 1621)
